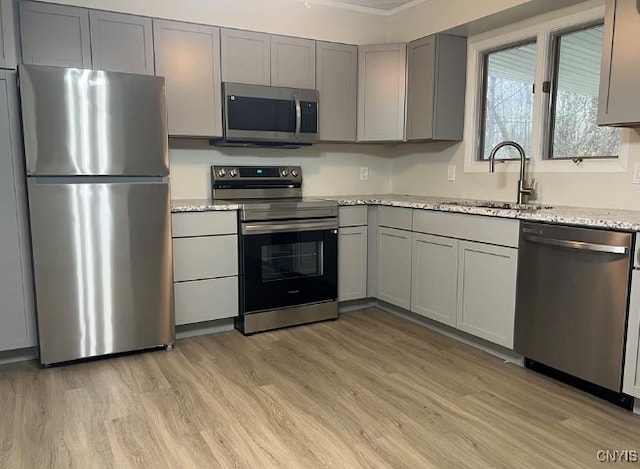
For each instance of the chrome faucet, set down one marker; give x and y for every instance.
(524, 192)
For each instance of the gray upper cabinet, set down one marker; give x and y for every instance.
(619, 100)
(246, 57)
(17, 321)
(121, 43)
(188, 56)
(381, 92)
(293, 62)
(337, 83)
(9, 43)
(436, 87)
(55, 35)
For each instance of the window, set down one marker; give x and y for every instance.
(538, 85)
(507, 111)
(572, 131)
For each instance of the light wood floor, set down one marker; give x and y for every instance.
(368, 390)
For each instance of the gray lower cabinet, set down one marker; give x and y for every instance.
(435, 277)
(394, 266)
(121, 43)
(381, 92)
(487, 291)
(352, 263)
(205, 266)
(246, 57)
(55, 35)
(352, 253)
(631, 376)
(188, 56)
(17, 320)
(619, 101)
(337, 84)
(293, 62)
(9, 42)
(436, 72)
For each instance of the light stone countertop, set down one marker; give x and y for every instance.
(628, 220)
(202, 205)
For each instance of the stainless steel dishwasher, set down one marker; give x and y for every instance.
(571, 304)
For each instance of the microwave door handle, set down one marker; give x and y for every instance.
(298, 114)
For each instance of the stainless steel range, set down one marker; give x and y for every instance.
(288, 247)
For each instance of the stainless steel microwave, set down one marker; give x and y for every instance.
(255, 115)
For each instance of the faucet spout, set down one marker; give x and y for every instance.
(524, 191)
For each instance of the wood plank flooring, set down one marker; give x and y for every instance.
(369, 390)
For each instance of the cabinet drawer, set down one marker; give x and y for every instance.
(204, 223)
(500, 231)
(206, 300)
(205, 257)
(395, 217)
(353, 216)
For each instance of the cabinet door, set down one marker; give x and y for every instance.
(337, 82)
(487, 291)
(394, 266)
(421, 56)
(352, 263)
(246, 57)
(381, 92)
(631, 377)
(188, 56)
(55, 35)
(293, 62)
(121, 43)
(8, 40)
(436, 80)
(619, 101)
(434, 277)
(16, 289)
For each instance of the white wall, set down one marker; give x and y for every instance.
(288, 17)
(421, 169)
(430, 17)
(328, 169)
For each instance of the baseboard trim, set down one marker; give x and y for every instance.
(496, 350)
(204, 328)
(19, 355)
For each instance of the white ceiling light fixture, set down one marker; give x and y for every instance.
(378, 7)
(307, 4)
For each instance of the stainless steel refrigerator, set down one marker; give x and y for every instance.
(97, 177)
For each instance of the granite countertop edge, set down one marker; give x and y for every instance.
(627, 220)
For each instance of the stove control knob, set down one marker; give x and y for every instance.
(294, 173)
(222, 172)
(233, 173)
(284, 172)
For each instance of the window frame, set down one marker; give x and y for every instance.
(482, 112)
(542, 29)
(549, 98)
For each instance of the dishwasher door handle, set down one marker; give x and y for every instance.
(581, 245)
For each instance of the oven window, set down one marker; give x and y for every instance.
(291, 260)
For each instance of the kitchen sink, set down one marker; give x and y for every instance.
(498, 205)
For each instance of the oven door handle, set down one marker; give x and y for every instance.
(288, 227)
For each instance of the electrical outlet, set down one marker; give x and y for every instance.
(636, 173)
(364, 173)
(451, 173)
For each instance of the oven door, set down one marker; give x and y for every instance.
(288, 263)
